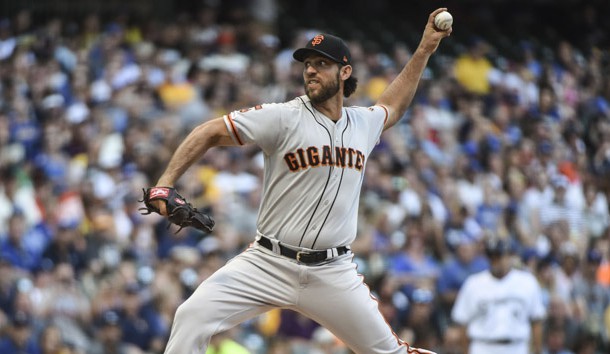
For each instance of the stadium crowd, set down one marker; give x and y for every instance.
(91, 110)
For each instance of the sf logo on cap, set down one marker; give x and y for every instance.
(317, 39)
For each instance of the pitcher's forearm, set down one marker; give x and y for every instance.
(399, 94)
(194, 146)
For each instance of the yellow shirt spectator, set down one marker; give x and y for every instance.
(471, 70)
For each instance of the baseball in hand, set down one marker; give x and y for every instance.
(443, 20)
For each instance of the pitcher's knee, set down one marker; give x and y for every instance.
(190, 331)
(188, 311)
(183, 312)
(192, 315)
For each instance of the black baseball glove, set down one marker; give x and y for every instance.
(179, 211)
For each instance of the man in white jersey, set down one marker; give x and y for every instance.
(500, 309)
(315, 150)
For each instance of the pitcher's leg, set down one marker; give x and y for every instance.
(238, 291)
(342, 303)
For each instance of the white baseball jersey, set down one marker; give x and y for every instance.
(314, 168)
(499, 309)
(313, 174)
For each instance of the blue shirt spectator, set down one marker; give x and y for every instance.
(19, 338)
(467, 261)
(13, 248)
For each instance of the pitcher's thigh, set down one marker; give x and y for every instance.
(352, 314)
(233, 294)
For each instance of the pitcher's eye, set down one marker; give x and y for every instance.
(317, 64)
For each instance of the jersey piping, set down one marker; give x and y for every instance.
(231, 127)
(387, 114)
(338, 187)
(330, 170)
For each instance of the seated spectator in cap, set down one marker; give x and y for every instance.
(530, 259)
(108, 336)
(490, 213)
(460, 224)
(139, 323)
(18, 338)
(64, 248)
(560, 208)
(468, 260)
(422, 317)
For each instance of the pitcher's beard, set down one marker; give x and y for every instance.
(324, 94)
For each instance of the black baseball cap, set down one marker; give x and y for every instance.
(495, 246)
(327, 45)
(21, 319)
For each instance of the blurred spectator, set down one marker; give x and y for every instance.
(108, 336)
(140, 324)
(591, 298)
(559, 208)
(560, 320)
(65, 305)
(468, 260)
(66, 247)
(413, 266)
(324, 342)
(16, 195)
(8, 42)
(19, 337)
(595, 214)
(437, 111)
(52, 342)
(393, 303)
(14, 248)
(555, 341)
(586, 343)
(452, 340)
(422, 318)
(226, 58)
(472, 68)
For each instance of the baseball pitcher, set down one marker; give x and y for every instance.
(315, 153)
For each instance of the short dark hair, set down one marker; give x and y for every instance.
(350, 86)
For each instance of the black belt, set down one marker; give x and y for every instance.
(307, 257)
